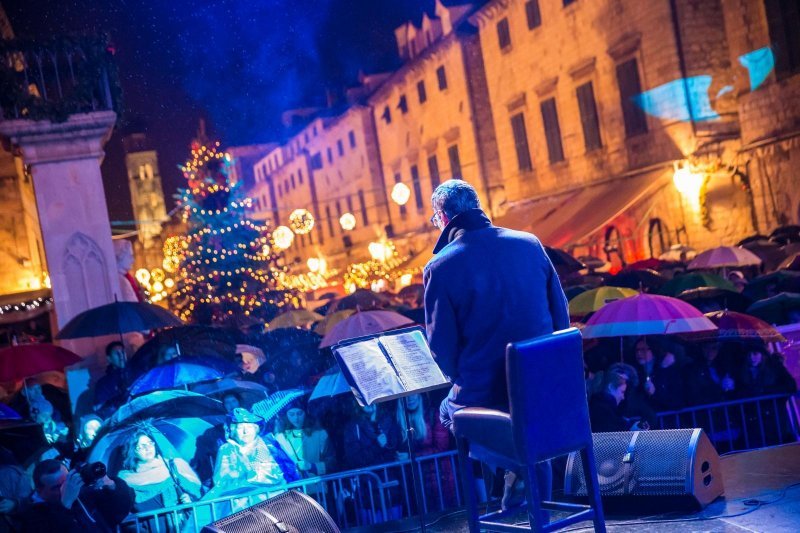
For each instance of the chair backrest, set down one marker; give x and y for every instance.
(547, 395)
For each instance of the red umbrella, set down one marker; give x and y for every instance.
(26, 360)
(646, 314)
(364, 323)
(738, 326)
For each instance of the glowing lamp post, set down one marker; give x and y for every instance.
(347, 221)
(301, 221)
(689, 184)
(282, 237)
(401, 193)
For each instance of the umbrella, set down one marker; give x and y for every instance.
(329, 385)
(646, 314)
(26, 360)
(361, 299)
(563, 262)
(705, 298)
(292, 354)
(759, 238)
(249, 391)
(572, 292)
(175, 437)
(637, 279)
(167, 404)
(415, 289)
(791, 263)
(594, 299)
(25, 440)
(364, 323)
(786, 234)
(776, 310)
(772, 284)
(591, 262)
(192, 340)
(7, 413)
(679, 252)
(331, 320)
(695, 280)
(770, 253)
(294, 318)
(118, 318)
(723, 257)
(271, 406)
(181, 372)
(738, 326)
(415, 315)
(652, 264)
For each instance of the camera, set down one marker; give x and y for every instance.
(91, 472)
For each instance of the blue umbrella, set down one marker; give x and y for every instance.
(7, 413)
(181, 372)
(168, 404)
(270, 407)
(331, 384)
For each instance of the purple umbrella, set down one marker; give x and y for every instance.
(646, 314)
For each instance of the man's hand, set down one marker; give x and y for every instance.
(303, 466)
(6, 505)
(649, 387)
(382, 440)
(71, 489)
(185, 498)
(668, 360)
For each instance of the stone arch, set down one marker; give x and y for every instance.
(86, 273)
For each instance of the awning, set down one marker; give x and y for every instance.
(571, 217)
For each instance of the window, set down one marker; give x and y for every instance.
(330, 155)
(280, 191)
(402, 104)
(387, 115)
(421, 91)
(455, 162)
(338, 210)
(397, 179)
(441, 77)
(568, 2)
(521, 142)
(293, 184)
(363, 205)
(352, 137)
(286, 185)
(552, 131)
(613, 247)
(503, 33)
(783, 22)
(417, 188)
(630, 88)
(316, 161)
(300, 175)
(658, 237)
(433, 169)
(589, 120)
(533, 14)
(349, 203)
(330, 219)
(340, 147)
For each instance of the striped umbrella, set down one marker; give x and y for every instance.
(646, 314)
(723, 257)
(594, 299)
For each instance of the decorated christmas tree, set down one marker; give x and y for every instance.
(228, 264)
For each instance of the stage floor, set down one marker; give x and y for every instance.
(762, 494)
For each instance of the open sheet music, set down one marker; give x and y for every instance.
(389, 365)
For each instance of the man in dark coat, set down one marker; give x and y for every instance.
(485, 287)
(111, 390)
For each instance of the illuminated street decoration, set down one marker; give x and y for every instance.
(401, 193)
(347, 221)
(301, 221)
(690, 184)
(282, 237)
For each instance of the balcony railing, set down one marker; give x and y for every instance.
(52, 79)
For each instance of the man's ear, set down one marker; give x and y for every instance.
(445, 219)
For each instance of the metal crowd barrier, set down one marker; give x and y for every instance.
(385, 492)
(741, 424)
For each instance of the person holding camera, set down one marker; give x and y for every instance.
(79, 500)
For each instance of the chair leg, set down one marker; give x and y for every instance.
(593, 487)
(536, 515)
(468, 485)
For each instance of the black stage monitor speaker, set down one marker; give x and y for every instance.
(289, 512)
(671, 468)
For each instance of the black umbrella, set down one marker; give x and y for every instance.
(776, 310)
(772, 284)
(709, 299)
(637, 279)
(292, 354)
(770, 253)
(752, 238)
(786, 234)
(118, 318)
(202, 341)
(563, 262)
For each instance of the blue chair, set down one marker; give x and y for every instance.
(549, 417)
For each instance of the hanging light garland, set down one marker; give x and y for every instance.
(301, 221)
(347, 221)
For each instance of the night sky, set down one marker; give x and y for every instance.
(237, 63)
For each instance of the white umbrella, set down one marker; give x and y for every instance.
(723, 257)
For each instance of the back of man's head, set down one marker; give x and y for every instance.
(48, 467)
(111, 345)
(455, 196)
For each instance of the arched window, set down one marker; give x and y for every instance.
(613, 246)
(658, 237)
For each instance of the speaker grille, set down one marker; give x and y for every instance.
(297, 513)
(658, 465)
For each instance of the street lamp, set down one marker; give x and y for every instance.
(401, 193)
(689, 184)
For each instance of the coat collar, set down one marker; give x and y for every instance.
(470, 220)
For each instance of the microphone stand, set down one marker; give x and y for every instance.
(413, 457)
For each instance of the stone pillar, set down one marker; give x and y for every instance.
(65, 163)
